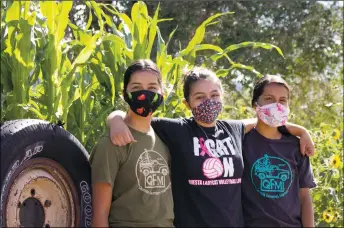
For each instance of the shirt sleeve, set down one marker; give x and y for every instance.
(306, 178)
(283, 130)
(238, 128)
(105, 161)
(167, 129)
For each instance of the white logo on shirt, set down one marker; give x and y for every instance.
(151, 173)
(218, 162)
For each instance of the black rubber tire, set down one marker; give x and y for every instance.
(18, 136)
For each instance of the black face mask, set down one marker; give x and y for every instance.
(143, 102)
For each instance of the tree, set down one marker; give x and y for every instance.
(69, 68)
(309, 34)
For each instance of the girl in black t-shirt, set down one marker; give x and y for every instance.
(207, 162)
(277, 178)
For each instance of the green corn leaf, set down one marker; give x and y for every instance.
(12, 18)
(161, 47)
(113, 10)
(201, 47)
(76, 96)
(152, 32)
(13, 12)
(96, 67)
(128, 36)
(116, 39)
(90, 17)
(66, 65)
(242, 66)
(126, 20)
(5, 76)
(86, 52)
(94, 84)
(49, 10)
(110, 60)
(35, 105)
(234, 47)
(165, 19)
(222, 72)
(112, 84)
(62, 20)
(26, 9)
(98, 121)
(139, 15)
(108, 20)
(120, 69)
(199, 34)
(170, 37)
(26, 108)
(98, 12)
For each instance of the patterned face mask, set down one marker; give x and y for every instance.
(207, 111)
(274, 114)
(143, 102)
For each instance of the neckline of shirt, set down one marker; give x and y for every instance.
(284, 138)
(206, 129)
(149, 133)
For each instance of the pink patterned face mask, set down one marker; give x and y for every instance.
(274, 114)
(207, 111)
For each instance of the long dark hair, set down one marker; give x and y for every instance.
(141, 65)
(261, 83)
(196, 74)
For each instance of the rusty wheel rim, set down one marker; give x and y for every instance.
(41, 194)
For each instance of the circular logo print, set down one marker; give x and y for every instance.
(152, 173)
(212, 168)
(271, 176)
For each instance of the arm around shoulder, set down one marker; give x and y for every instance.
(249, 124)
(119, 132)
(306, 142)
(113, 116)
(167, 129)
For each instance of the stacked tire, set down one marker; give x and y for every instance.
(45, 176)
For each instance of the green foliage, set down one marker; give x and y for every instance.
(328, 197)
(327, 164)
(47, 75)
(310, 33)
(55, 68)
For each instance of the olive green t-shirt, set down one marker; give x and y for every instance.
(140, 176)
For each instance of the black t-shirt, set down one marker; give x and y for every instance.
(275, 170)
(207, 167)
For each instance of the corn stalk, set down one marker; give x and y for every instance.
(78, 80)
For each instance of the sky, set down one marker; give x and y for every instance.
(328, 3)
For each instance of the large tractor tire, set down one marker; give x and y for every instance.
(45, 176)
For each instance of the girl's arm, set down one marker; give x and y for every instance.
(121, 135)
(306, 142)
(119, 132)
(293, 129)
(105, 160)
(101, 203)
(307, 213)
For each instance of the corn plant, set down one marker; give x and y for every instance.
(47, 75)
